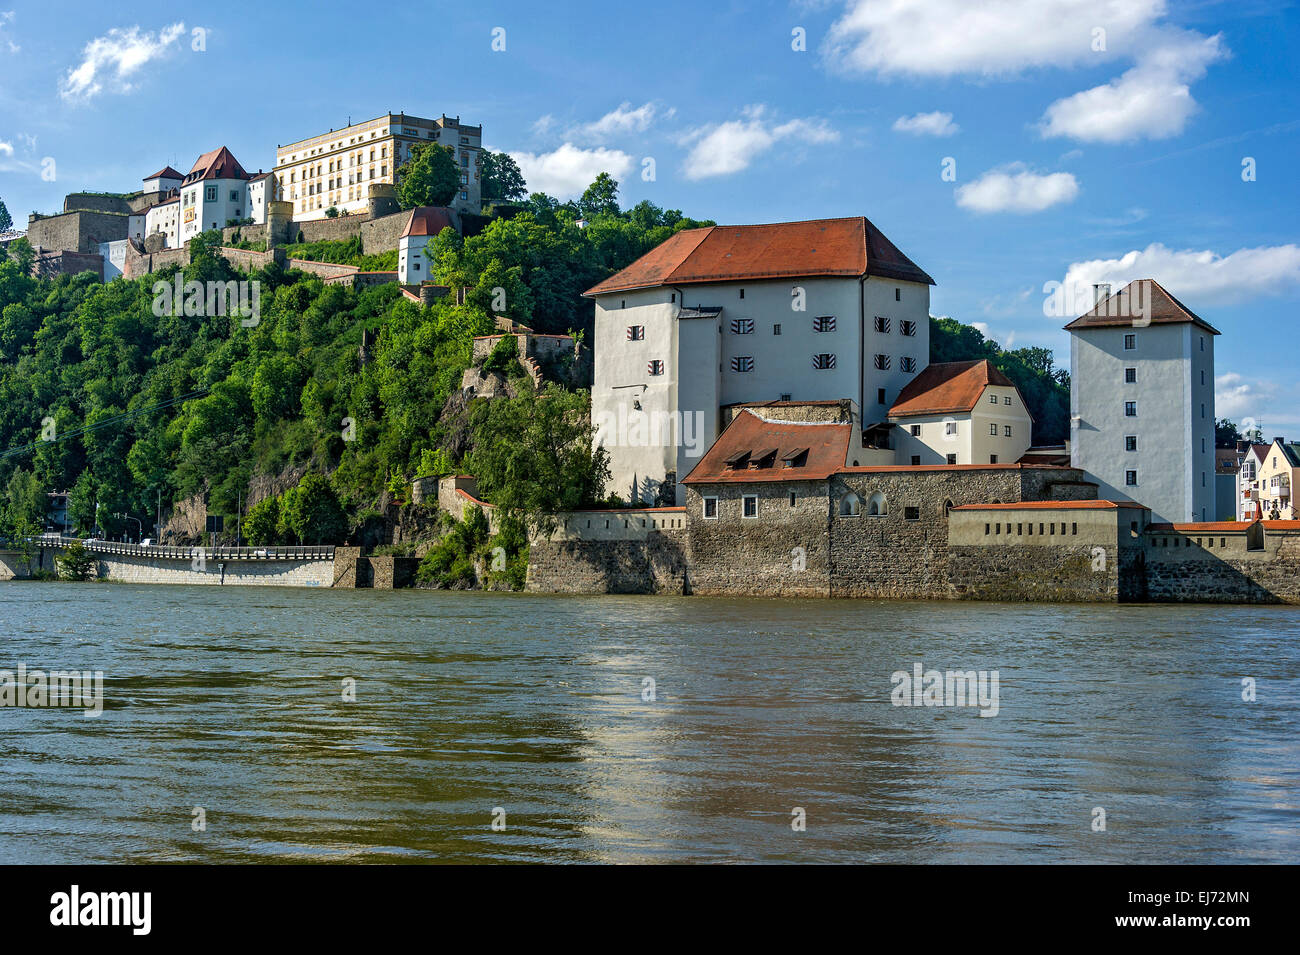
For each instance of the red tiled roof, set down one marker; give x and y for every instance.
(428, 220)
(816, 247)
(1050, 506)
(166, 172)
(948, 387)
(893, 468)
(1136, 303)
(217, 164)
(827, 444)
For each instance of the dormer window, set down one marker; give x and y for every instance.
(762, 459)
(736, 461)
(795, 458)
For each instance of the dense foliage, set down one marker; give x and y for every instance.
(430, 177)
(1046, 389)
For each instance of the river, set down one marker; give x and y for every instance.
(768, 733)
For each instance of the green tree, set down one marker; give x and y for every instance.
(311, 512)
(76, 563)
(533, 454)
(500, 178)
(600, 198)
(262, 521)
(430, 177)
(6, 220)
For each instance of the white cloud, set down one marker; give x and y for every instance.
(993, 37)
(1016, 189)
(622, 121)
(927, 124)
(725, 148)
(6, 149)
(1153, 100)
(6, 18)
(1235, 396)
(114, 58)
(544, 124)
(567, 171)
(1198, 276)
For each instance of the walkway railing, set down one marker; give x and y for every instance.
(309, 552)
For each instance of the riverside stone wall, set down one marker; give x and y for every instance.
(654, 564)
(266, 573)
(1246, 563)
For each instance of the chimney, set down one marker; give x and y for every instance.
(1100, 292)
(1279, 440)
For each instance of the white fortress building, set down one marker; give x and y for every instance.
(337, 168)
(821, 310)
(1142, 401)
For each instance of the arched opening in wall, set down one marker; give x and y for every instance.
(876, 505)
(850, 505)
(947, 508)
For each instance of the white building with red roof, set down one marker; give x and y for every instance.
(819, 310)
(960, 412)
(212, 193)
(1142, 401)
(422, 226)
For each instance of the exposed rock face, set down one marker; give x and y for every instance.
(262, 486)
(476, 383)
(188, 521)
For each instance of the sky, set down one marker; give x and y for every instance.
(1003, 145)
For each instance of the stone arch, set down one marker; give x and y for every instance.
(850, 505)
(947, 508)
(877, 506)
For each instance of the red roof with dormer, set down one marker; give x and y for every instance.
(217, 164)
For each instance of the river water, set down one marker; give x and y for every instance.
(768, 733)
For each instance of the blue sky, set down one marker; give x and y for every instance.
(1078, 155)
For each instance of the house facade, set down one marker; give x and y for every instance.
(212, 193)
(1278, 474)
(422, 226)
(964, 412)
(1142, 401)
(724, 315)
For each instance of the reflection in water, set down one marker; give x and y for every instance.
(231, 699)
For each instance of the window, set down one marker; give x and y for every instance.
(880, 396)
(1130, 442)
(993, 459)
(916, 430)
(876, 505)
(823, 362)
(993, 430)
(993, 399)
(655, 367)
(776, 329)
(742, 363)
(742, 293)
(1006, 431)
(824, 323)
(1006, 400)
(850, 505)
(1130, 342)
(749, 505)
(742, 326)
(950, 427)
(907, 328)
(1130, 409)
(1130, 376)
(785, 396)
(1130, 478)
(636, 333)
(882, 324)
(710, 508)
(907, 364)
(911, 513)
(882, 362)
(793, 499)
(952, 459)
(234, 197)
(210, 194)
(916, 460)
(898, 295)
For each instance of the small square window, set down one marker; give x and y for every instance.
(916, 430)
(776, 329)
(993, 459)
(1130, 376)
(1130, 442)
(710, 508)
(1006, 400)
(950, 427)
(750, 505)
(1130, 478)
(911, 513)
(1130, 409)
(952, 459)
(636, 333)
(993, 399)
(916, 460)
(1130, 342)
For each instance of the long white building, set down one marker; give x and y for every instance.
(805, 311)
(1142, 401)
